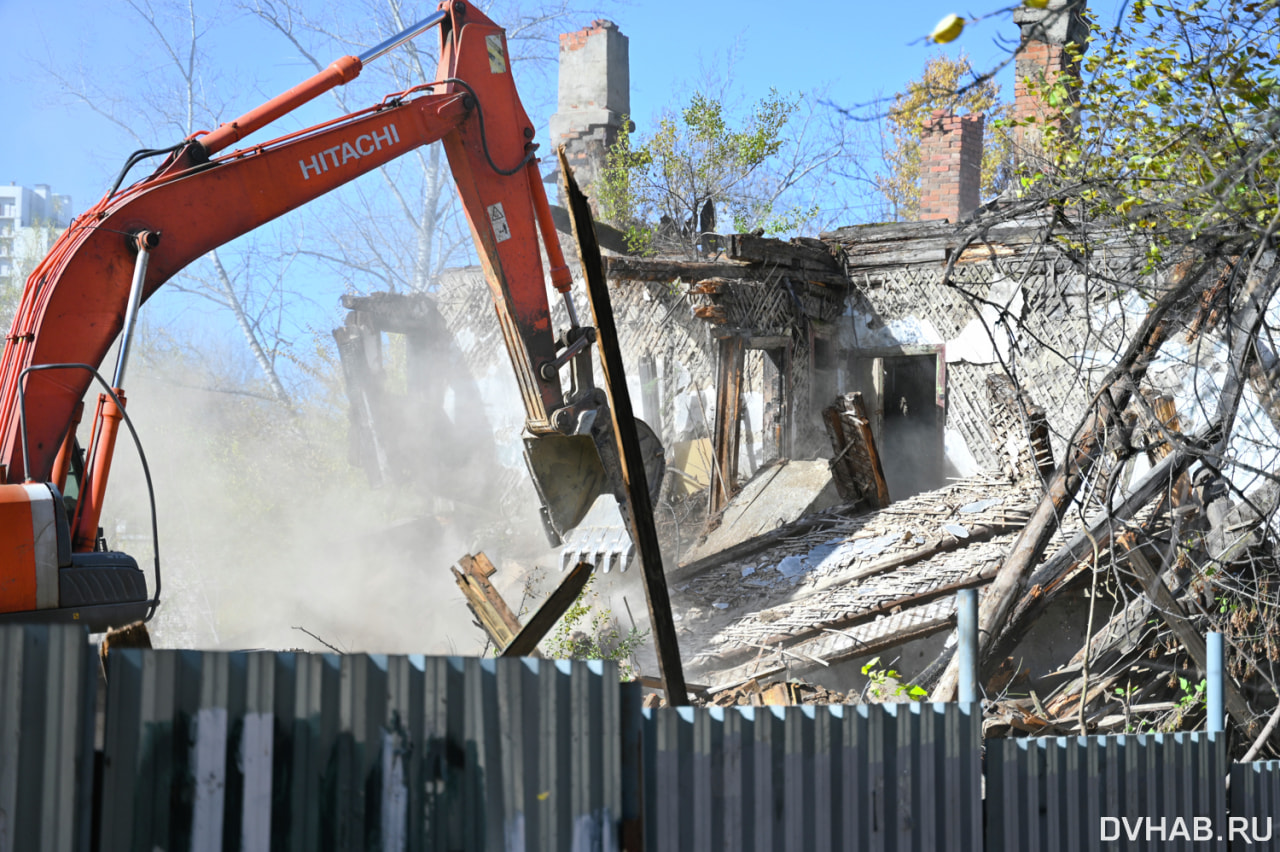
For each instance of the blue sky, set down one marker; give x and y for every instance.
(852, 51)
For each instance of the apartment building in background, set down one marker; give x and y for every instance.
(31, 217)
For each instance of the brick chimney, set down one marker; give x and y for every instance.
(950, 166)
(594, 95)
(1042, 57)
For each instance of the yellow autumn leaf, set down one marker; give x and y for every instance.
(947, 29)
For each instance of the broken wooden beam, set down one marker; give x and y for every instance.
(525, 642)
(714, 314)
(855, 466)
(640, 515)
(491, 611)
(710, 286)
(790, 255)
(1050, 579)
(662, 269)
(728, 425)
(1169, 428)
(693, 271)
(933, 547)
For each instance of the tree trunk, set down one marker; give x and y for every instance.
(259, 354)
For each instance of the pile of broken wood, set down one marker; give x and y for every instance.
(1179, 554)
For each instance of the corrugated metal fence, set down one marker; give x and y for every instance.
(1255, 804)
(897, 776)
(311, 752)
(1068, 793)
(287, 751)
(47, 694)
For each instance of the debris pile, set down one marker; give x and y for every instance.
(1100, 469)
(754, 694)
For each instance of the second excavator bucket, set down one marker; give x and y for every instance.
(570, 472)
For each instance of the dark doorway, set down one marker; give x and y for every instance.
(904, 394)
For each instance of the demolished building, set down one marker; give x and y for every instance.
(862, 424)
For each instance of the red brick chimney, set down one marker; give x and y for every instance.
(1042, 57)
(950, 166)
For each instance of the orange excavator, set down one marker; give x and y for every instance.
(55, 564)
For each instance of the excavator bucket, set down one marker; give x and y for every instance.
(573, 474)
(568, 476)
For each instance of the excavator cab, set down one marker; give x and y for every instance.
(49, 582)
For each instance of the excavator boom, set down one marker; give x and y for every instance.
(77, 301)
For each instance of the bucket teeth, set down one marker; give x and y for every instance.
(601, 539)
(604, 547)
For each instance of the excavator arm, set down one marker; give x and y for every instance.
(116, 255)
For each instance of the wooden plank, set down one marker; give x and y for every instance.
(728, 422)
(656, 683)
(694, 271)
(842, 470)
(640, 508)
(1168, 425)
(856, 464)
(877, 399)
(485, 616)
(889, 232)
(481, 569)
(491, 611)
(943, 234)
(661, 269)
(908, 599)
(525, 643)
(753, 249)
(930, 254)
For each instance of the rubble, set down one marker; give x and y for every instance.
(754, 694)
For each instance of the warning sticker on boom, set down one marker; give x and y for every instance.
(497, 58)
(498, 219)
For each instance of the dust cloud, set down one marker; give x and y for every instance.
(267, 531)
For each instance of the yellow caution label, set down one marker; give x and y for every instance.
(497, 56)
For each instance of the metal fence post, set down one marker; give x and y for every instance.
(1213, 691)
(967, 639)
